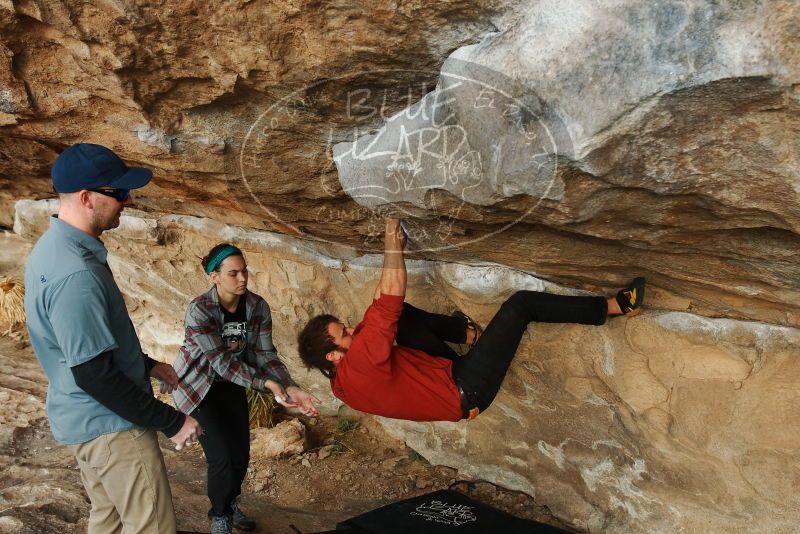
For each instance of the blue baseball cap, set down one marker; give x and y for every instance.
(88, 166)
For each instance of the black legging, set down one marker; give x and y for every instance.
(481, 371)
(480, 374)
(425, 331)
(224, 416)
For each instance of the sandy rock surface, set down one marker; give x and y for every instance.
(287, 438)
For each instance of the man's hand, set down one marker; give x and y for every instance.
(404, 238)
(166, 375)
(303, 400)
(188, 433)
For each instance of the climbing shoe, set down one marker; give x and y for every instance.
(630, 298)
(471, 326)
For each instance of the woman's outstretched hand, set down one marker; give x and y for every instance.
(303, 400)
(294, 397)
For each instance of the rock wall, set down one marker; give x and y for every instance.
(583, 143)
(565, 146)
(178, 87)
(664, 422)
(590, 139)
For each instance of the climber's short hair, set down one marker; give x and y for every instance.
(315, 342)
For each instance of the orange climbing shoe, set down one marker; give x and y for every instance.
(471, 325)
(630, 299)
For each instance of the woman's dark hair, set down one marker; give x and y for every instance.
(314, 343)
(213, 253)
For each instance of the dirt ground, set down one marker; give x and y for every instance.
(41, 491)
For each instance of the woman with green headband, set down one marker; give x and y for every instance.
(228, 348)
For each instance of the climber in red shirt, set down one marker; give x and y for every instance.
(421, 378)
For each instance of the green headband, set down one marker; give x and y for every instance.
(220, 256)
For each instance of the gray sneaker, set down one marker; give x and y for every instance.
(241, 521)
(221, 524)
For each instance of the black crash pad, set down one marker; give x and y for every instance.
(441, 512)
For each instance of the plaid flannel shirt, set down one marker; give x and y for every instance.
(203, 354)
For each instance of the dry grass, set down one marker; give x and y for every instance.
(12, 305)
(262, 409)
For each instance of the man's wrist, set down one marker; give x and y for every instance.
(149, 362)
(176, 425)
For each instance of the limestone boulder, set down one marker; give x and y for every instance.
(580, 143)
(287, 438)
(594, 142)
(179, 88)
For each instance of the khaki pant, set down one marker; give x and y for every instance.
(126, 479)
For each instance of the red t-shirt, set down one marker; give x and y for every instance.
(380, 378)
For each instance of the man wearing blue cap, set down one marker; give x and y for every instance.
(99, 399)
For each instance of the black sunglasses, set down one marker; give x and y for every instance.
(120, 194)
